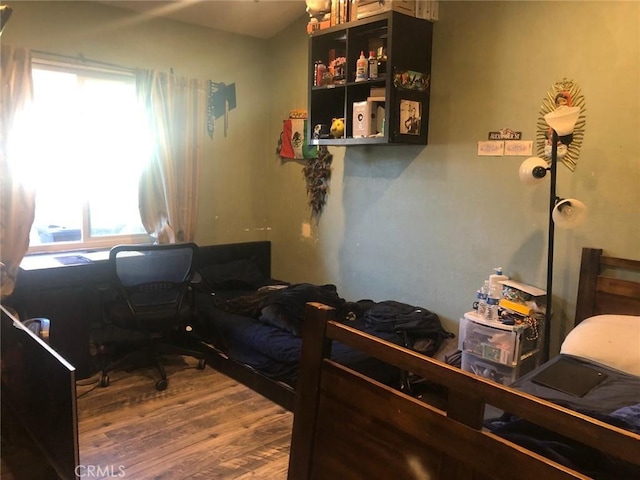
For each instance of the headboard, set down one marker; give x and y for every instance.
(259, 252)
(607, 285)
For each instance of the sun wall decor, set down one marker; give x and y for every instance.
(567, 93)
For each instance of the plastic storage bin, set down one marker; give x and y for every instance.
(494, 341)
(495, 371)
(488, 369)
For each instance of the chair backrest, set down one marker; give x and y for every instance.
(153, 278)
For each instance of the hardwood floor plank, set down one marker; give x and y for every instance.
(204, 426)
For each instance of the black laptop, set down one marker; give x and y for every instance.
(569, 376)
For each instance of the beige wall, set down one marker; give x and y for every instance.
(419, 225)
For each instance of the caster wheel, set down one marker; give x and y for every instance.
(161, 385)
(201, 364)
(104, 381)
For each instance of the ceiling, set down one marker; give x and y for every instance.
(256, 18)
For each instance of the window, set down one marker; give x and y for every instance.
(82, 146)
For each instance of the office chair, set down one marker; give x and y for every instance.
(151, 302)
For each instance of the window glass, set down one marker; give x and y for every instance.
(82, 146)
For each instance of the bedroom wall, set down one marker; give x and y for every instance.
(420, 225)
(427, 225)
(232, 206)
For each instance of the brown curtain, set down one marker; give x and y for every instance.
(168, 192)
(17, 209)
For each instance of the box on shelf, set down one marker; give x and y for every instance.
(367, 118)
(367, 8)
(319, 23)
(522, 298)
(364, 119)
(427, 9)
(377, 92)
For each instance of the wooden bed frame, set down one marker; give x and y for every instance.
(348, 426)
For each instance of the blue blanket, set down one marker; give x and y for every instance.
(569, 452)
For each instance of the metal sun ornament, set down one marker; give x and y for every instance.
(567, 93)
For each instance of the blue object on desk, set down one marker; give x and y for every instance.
(56, 233)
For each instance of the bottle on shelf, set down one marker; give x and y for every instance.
(320, 70)
(361, 68)
(483, 294)
(373, 65)
(492, 307)
(382, 61)
(495, 279)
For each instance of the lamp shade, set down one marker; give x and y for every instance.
(569, 213)
(532, 170)
(563, 119)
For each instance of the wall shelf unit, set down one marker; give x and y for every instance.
(402, 46)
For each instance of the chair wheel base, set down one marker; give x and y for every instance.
(201, 364)
(104, 381)
(161, 385)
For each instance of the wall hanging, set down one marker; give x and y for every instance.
(222, 99)
(293, 145)
(564, 93)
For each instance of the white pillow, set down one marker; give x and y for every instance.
(612, 340)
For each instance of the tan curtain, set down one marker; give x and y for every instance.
(168, 193)
(17, 209)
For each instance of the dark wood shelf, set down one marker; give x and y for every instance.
(406, 108)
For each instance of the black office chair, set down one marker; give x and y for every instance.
(151, 301)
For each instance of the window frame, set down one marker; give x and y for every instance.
(88, 242)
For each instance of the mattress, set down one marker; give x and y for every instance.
(614, 398)
(617, 389)
(275, 352)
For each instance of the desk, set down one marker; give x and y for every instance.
(69, 295)
(66, 294)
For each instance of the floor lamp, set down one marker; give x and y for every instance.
(564, 213)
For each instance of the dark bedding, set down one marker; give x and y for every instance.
(262, 328)
(275, 352)
(615, 400)
(617, 390)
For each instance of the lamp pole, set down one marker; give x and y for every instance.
(550, 246)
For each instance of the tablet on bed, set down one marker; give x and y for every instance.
(569, 377)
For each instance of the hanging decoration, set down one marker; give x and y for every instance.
(317, 173)
(222, 99)
(566, 93)
(293, 145)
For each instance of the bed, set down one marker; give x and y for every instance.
(538, 435)
(249, 324)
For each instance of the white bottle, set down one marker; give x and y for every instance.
(361, 68)
(495, 279)
(373, 65)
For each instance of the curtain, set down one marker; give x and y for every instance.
(17, 208)
(168, 195)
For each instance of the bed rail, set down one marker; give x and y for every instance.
(349, 426)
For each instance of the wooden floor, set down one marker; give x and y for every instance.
(204, 426)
